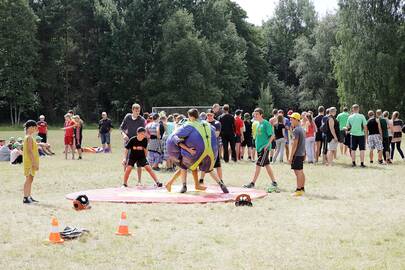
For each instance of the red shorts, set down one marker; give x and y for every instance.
(69, 140)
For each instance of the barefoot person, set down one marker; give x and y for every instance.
(264, 139)
(130, 124)
(135, 153)
(30, 159)
(193, 146)
(297, 155)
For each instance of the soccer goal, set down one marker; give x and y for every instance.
(179, 109)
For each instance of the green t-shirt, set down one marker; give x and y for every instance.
(384, 127)
(264, 130)
(342, 119)
(356, 123)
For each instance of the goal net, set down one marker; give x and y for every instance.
(179, 109)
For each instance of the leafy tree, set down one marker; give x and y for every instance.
(314, 68)
(18, 58)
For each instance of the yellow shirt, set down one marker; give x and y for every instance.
(254, 128)
(27, 162)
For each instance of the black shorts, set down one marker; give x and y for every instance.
(140, 163)
(247, 142)
(237, 139)
(273, 144)
(357, 142)
(347, 140)
(342, 135)
(253, 143)
(318, 137)
(78, 143)
(217, 162)
(297, 163)
(43, 136)
(263, 158)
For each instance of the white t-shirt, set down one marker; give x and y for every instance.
(15, 153)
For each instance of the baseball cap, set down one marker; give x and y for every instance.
(38, 138)
(238, 112)
(296, 116)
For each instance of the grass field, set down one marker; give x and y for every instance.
(348, 219)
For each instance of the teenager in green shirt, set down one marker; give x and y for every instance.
(342, 119)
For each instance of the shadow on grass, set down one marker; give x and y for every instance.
(322, 197)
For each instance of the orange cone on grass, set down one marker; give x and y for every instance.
(123, 227)
(54, 236)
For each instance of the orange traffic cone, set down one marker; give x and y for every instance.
(54, 236)
(123, 228)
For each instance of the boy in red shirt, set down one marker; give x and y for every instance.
(239, 129)
(68, 127)
(42, 128)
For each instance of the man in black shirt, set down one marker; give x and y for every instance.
(228, 133)
(104, 130)
(318, 135)
(137, 148)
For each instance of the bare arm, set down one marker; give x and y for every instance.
(188, 149)
(30, 144)
(332, 128)
(293, 150)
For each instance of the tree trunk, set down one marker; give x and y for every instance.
(19, 115)
(11, 114)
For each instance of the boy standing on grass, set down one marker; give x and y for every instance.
(30, 159)
(264, 139)
(69, 133)
(297, 155)
(137, 147)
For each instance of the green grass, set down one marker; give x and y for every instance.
(349, 219)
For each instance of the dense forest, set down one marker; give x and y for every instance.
(104, 55)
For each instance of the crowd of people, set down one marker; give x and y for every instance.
(293, 137)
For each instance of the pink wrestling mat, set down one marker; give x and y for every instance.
(149, 194)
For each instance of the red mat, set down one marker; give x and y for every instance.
(149, 194)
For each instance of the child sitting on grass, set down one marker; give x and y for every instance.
(44, 148)
(16, 155)
(137, 148)
(30, 159)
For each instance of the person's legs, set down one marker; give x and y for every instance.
(392, 150)
(183, 175)
(197, 185)
(312, 148)
(399, 149)
(278, 146)
(27, 185)
(237, 148)
(308, 149)
(371, 155)
(250, 153)
(219, 172)
(233, 147)
(317, 150)
(300, 179)
(128, 170)
(174, 178)
(270, 173)
(66, 150)
(281, 149)
(225, 143)
(257, 173)
(148, 168)
(72, 148)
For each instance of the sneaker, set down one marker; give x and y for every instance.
(223, 187)
(33, 200)
(27, 200)
(298, 193)
(274, 184)
(124, 185)
(183, 189)
(80, 158)
(363, 166)
(250, 185)
(158, 184)
(156, 169)
(201, 181)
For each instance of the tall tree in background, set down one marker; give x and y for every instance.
(369, 60)
(18, 57)
(313, 66)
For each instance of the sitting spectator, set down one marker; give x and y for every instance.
(2, 142)
(19, 140)
(5, 152)
(16, 155)
(43, 148)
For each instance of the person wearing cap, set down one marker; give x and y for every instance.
(264, 139)
(104, 132)
(30, 159)
(135, 152)
(297, 155)
(16, 155)
(42, 128)
(45, 148)
(239, 129)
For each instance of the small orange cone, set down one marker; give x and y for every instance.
(54, 236)
(123, 228)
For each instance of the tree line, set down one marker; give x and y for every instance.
(104, 55)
